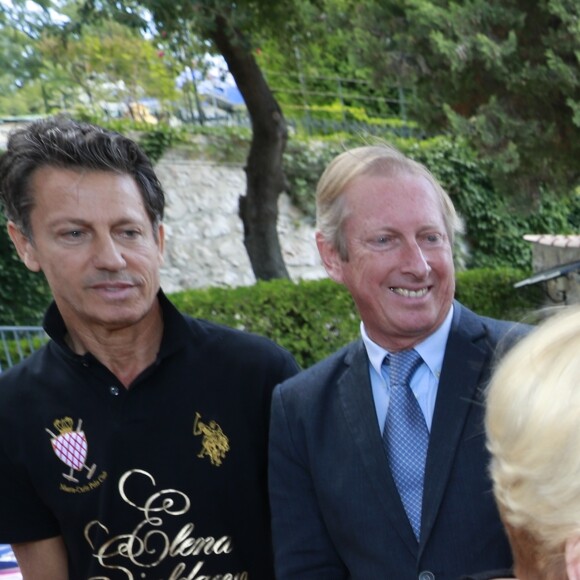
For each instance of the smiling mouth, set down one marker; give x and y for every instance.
(410, 293)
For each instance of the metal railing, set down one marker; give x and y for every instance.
(18, 342)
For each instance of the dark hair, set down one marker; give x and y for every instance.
(64, 143)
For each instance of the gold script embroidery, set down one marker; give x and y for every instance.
(93, 484)
(147, 545)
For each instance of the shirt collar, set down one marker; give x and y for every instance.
(432, 349)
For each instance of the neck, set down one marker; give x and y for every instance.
(125, 351)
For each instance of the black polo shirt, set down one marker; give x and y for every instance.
(166, 479)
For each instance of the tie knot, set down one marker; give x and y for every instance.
(403, 365)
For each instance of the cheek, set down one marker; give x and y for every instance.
(148, 263)
(368, 282)
(447, 279)
(376, 268)
(146, 253)
(443, 264)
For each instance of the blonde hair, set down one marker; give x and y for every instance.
(533, 430)
(381, 159)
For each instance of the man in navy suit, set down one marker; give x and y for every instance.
(386, 230)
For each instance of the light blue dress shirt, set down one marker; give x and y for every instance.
(424, 382)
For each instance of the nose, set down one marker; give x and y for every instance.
(108, 255)
(413, 261)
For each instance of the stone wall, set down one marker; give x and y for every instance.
(204, 236)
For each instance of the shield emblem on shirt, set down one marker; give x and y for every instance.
(71, 448)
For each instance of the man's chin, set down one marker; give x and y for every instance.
(117, 318)
(418, 326)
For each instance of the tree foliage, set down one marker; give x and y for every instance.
(110, 62)
(316, 72)
(504, 73)
(51, 63)
(230, 28)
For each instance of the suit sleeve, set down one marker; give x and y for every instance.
(302, 546)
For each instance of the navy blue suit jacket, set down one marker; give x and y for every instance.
(336, 512)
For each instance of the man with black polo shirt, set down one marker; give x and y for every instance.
(133, 445)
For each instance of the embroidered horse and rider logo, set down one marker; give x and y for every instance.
(214, 442)
(71, 447)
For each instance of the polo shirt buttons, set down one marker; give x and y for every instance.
(426, 575)
(114, 390)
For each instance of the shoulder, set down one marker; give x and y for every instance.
(327, 372)
(219, 342)
(220, 334)
(25, 390)
(39, 364)
(213, 338)
(495, 332)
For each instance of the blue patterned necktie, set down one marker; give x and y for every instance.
(405, 435)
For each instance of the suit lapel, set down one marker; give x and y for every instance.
(355, 393)
(463, 365)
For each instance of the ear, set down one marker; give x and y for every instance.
(573, 558)
(330, 258)
(24, 247)
(161, 241)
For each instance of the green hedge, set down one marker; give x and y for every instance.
(490, 292)
(312, 319)
(24, 295)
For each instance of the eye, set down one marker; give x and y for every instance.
(381, 241)
(130, 234)
(434, 238)
(73, 234)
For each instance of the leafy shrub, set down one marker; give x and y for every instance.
(155, 142)
(490, 292)
(24, 295)
(328, 119)
(124, 125)
(310, 319)
(495, 226)
(222, 144)
(303, 165)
